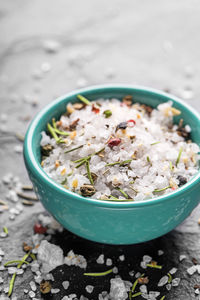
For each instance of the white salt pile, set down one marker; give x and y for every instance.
(119, 151)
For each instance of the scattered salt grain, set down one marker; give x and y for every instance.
(25, 291)
(45, 67)
(108, 262)
(49, 277)
(76, 260)
(143, 289)
(137, 275)
(65, 284)
(50, 256)
(20, 272)
(55, 291)
(173, 271)
(197, 291)
(147, 259)
(191, 270)
(100, 259)
(131, 273)
(160, 252)
(143, 264)
(2, 253)
(122, 257)
(117, 289)
(89, 288)
(163, 280)
(176, 281)
(12, 196)
(115, 270)
(31, 294)
(6, 289)
(154, 294)
(12, 270)
(18, 148)
(168, 286)
(3, 235)
(33, 286)
(51, 46)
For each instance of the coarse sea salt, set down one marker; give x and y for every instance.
(149, 141)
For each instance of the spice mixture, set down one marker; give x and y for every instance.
(119, 151)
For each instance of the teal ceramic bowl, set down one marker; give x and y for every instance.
(103, 221)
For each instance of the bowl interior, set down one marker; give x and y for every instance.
(141, 95)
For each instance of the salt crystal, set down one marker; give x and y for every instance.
(191, 270)
(38, 279)
(197, 291)
(163, 281)
(12, 217)
(25, 291)
(51, 46)
(176, 281)
(143, 289)
(49, 277)
(117, 289)
(182, 257)
(198, 268)
(89, 288)
(2, 268)
(131, 273)
(122, 257)
(12, 196)
(18, 148)
(12, 270)
(65, 284)
(50, 256)
(33, 286)
(45, 67)
(74, 259)
(137, 275)
(143, 264)
(147, 259)
(154, 294)
(108, 262)
(3, 234)
(1, 279)
(100, 259)
(188, 128)
(160, 252)
(20, 272)
(128, 285)
(168, 286)
(6, 289)
(31, 294)
(173, 271)
(115, 270)
(2, 253)
(55, 291)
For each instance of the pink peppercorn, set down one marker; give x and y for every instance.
(114, 142)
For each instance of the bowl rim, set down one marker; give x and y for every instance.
(37, 169)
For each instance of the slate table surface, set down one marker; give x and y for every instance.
(153, 43)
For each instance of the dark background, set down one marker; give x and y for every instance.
(153, 43)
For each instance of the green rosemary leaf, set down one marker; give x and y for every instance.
(163, 189)
(51, 130)
(84, 100)
(73, 149)
(123, 193)
(89, 173)
(11, 285)
(136, 294)
(57, 130)
(171, 166)
(154, 266)
(99, 274)
(163, 297)
(154, 143)
(11, 262)
(5, 229)
(148, 160)
(170, 277)
(179, 156)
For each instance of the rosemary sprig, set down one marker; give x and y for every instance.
(148, 160)
(133, 289)
(84, 100)
(12, 281)
(88, 172)
(171, 166)
(99, 274)
(84, 159)
(113, 198)
(136, 294)
(163, 297)
(120, 163)
(73, 149)
(54, 135)
(179, 156)
(170, 277)
(57, 130)
(5, 229)
(163, 189)
(123, 193)
(154, 266)
(32, 255)
(11, 262)
(154, 143)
